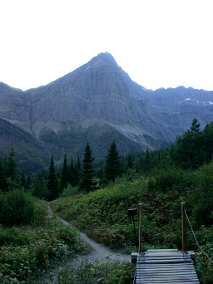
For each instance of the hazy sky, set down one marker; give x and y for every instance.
(160, 43)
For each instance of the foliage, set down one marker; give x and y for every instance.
(104, 273)
(70, 191)
(25, 250)
(203, 196)
(64, 174)
(87, 181)
(103, 213)
(112, 164)
(204, 264)
(194, 147)
(52, 184)
(39, 187)
(16, 208)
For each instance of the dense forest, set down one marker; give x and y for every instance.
(95, 197)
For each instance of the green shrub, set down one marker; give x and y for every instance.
(104, 273)
(170, 179)
(69, 191)
(203, 196)
(26, 250)
(16, 208)
(13, 236)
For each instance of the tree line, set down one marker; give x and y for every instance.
(191, 150)
(77, 174)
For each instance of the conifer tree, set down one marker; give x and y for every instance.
(3, 184)
(188, 151)
(208, 142)
(64, 174)
(72, 176)
(23, 181)
(87, 180)
(39, 187)
(112, 164)
(195, 127)
(52, 183)
(130, 162)
(11, 165)
(78, 170)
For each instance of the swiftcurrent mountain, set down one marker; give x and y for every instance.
(96, 103)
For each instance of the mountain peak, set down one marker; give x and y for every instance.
(103, 58)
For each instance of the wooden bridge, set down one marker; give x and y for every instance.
(164, 266)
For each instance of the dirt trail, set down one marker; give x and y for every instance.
(98, 253)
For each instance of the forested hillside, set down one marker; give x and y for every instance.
(95, 197)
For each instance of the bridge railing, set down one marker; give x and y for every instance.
(185, 225)
(185, 222)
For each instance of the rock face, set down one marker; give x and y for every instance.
(99, 103)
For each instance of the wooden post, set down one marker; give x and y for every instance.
(183, 227)
(140, 241)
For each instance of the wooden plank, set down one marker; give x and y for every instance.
(165, 266)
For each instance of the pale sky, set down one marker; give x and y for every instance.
(160, 43)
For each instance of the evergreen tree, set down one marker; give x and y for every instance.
(39, 187)
(112, 164)
(195, 127)
(3, 182)
(188, 151)
(78, 170)
(23, 181)
(52, 183)
(87, 180)
(28, 185)
(64, 174)
(11, 165)
(72, 173)
(208, 142)
(130, 162)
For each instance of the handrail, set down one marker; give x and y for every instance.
(196, 240)
(140, 240)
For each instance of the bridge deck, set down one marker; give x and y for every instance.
(165, 266)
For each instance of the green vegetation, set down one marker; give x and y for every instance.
(27, 249)
(52, 183)
(112, 167)
(16, 208)
(108, 273)
(103, 213)
(161, 180)
(87, 182)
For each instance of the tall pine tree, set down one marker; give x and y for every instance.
(3, 181)
(64, 174)
(112, 164)
(72, 173)
(87, 180)
(11, 165)
(52, 183)
(78, 170)
(188, 151)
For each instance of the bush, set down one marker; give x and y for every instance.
(105, 273)
(69, 191)
(203, 196)
(170, 179)
(25, 251)
(16, 208)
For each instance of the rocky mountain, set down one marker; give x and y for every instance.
(98, 103)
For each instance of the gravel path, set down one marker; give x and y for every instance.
(98, 253)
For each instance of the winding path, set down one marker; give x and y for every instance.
(98, 253)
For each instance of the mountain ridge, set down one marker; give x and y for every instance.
(100, 97)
